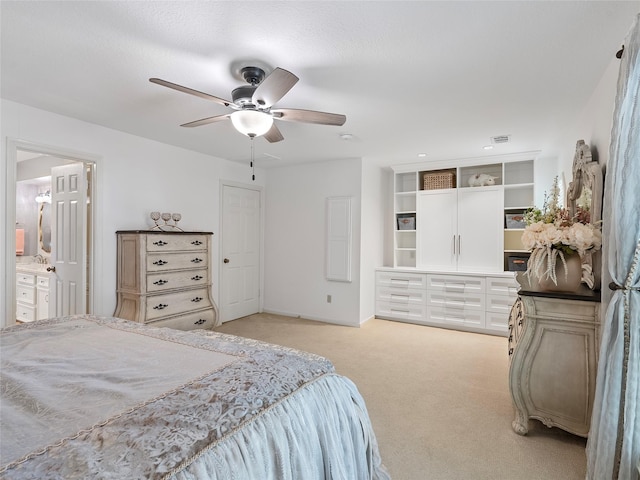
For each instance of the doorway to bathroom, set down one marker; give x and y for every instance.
(53, 216)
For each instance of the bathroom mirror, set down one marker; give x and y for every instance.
(44, 227)
(584, 202)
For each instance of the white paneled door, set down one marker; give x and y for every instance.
(68, 239)
(240, 271)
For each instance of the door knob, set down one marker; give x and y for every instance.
(226, 260)
(51, 269)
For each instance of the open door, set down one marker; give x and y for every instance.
(68, 239)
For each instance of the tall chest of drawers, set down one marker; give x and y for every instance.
(164, 279)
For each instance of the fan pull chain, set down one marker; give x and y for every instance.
(253, 170)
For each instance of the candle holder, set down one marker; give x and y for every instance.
(166, 217)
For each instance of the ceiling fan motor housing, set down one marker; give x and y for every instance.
(242, 96)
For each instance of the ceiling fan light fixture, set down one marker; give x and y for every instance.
(251, 123)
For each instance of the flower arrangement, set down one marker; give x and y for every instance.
(552, 233)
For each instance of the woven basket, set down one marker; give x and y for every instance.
(435, 181)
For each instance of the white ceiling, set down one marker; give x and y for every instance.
(419, 76)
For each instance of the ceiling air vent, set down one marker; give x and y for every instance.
(498, 139)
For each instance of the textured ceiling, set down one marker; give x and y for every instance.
(433, 77)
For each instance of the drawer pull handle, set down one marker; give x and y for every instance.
(160, 262)
(197, 278)
(510, 351)
(200, 322)
(196, 242)
(160, 306)
(160, 282)
(160, 243)
(196, 260)
(197, 299)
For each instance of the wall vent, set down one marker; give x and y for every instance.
(498, 139)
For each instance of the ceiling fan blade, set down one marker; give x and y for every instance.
(309, 116)
(190, 91)
(206, 121)
(273, 87)
(273, 135)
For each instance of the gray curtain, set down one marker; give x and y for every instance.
(613, 448)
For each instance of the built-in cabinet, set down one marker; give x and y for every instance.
(32, 294)
(472, 302)
(457, 242)
(164, 279)
(450, 225)
(460, 229)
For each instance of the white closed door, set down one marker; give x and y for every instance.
(436, 221)
(240, 268)
(480, 229)
(67, 286)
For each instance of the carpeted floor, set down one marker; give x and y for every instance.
(438, 399)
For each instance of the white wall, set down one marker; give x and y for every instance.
(375, 202)
(594, 122)
(134, 177)
(295, 279)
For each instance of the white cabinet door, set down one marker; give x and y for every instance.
(436, 227)
(480, 227)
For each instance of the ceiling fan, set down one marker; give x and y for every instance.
(253, 104)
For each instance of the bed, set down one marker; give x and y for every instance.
(105, 398)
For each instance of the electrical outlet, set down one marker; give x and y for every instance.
(328, 298)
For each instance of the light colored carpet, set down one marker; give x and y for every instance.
(438, 399)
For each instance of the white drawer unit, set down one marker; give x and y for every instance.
(401, 280)
(451, 317)
(401, 296)
(456, 283)
(25, 313)
(26, 298)
(473, 302)
(502, 293)
(503, 286)
(455, 300)
(411, 313)
(25, 278)
(164, 279)
(26, 294)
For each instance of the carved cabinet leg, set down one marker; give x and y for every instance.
(521, 423)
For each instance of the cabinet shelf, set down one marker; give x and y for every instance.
(415, 200)
(403, 194)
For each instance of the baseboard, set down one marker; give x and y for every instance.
(333, 321)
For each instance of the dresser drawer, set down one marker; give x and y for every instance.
(503, 286)
(203, 319)
(173, 303)
(500, 303)
(456, 301)
(25, 278)
(26, 294)
(42, 282)
(165, 243)
(401, 280)
(456, 283)
(417, 313)
(25, 313)
(159, 262)
(453, 316)
(169, 280)
(497, 322)
(402, 296)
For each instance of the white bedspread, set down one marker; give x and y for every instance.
(92, 397)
